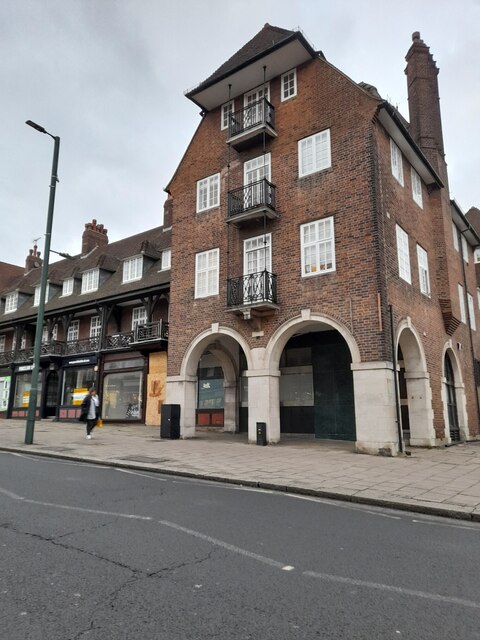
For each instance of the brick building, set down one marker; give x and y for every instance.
(106, 323)
(316, 252)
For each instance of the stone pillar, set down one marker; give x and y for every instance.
(264, 403)
(420, 411)
(230, 407)
(183, 391)
(375, 409)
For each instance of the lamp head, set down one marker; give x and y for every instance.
(36, 126)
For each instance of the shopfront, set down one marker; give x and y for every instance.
(79, 374)
(5, 386)
(22, 385)
(122, 393)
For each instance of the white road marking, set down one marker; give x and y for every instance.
(84, 510)
(472, 527)
(390, 588)
(143, 475)
(14, 496)
(225, 545)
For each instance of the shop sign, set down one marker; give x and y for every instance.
(78, 362)
(25, 367)
(25, 398)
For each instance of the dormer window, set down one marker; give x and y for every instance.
(36, 298)
(166, 258)
(11, 302)
(90, 280)
(132, 269)
(67, 288)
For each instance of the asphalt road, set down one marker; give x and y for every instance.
(96, 553)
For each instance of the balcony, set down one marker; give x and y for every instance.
(23, 355)
(118, 341)
(87, 345)
(252, 201)
(247, 126)
(257, 291)
(150, 336)
(7, 357)
(51, 349)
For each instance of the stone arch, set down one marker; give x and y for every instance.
(222, 342)
(418, 390)
(279, 339)
(460, 396)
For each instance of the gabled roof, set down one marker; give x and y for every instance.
(266, 44)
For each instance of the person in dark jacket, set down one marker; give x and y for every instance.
(90, 411)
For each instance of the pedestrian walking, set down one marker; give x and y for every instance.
(90, 411)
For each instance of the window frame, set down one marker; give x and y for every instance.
(318, 243)
(225, 113)
(36, 295)
(456, 244)
(95, 326)
(471, 311)
(11, 302)
(73, 331)
(87, 286)
(461, 300)
(207, 290)
(166, 260)
(138, 319)
(67, 290)
(423, 271)
(3, 340)
(316, 138)
(211, 203)
(396, 162)
(132, 269)
(417, 193)
(284, 77)
(403, 254)
(464, 242)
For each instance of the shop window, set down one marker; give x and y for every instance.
(76, 383)
(23, 384)
(122, 395)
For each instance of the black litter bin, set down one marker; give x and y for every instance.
(262, 433)
(170, 425)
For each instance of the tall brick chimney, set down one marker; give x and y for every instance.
(33, 260)
(167, 212)
(424, 101)
(95, 235)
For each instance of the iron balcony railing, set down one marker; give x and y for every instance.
(257, 113)
(118, 341)
(6, 357)
(24, 355)
(253, 196)
(151, 331)
(87, 345)
(252, 289)
(52, 348)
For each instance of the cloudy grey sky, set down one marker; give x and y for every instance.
(108, 77)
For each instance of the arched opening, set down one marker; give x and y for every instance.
(208, 387)
(415, 391)
(316, 386)
(453, 424)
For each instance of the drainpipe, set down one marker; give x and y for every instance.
(470, 329)
(395, 379)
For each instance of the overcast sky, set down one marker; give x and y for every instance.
(108, 77)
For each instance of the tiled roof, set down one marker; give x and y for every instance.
(8, 274)
(265, 39)
(108, 258)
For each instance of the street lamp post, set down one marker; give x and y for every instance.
(32, 403)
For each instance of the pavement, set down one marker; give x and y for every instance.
(443, 481)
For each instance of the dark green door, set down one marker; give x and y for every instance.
(334, 411)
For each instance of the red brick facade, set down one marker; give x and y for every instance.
(367, 203)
